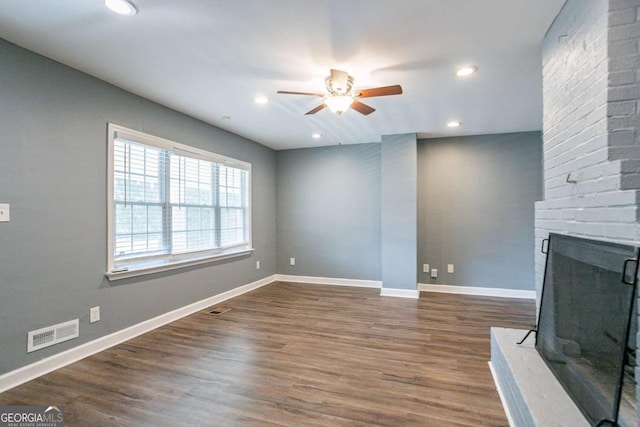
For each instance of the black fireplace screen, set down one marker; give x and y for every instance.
(586, 327)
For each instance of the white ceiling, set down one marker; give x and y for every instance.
(210, 58)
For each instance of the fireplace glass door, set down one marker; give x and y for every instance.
(587, 325)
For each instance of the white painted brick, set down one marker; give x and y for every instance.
(611, 168)
(618, 153)
(612, 198)
(550, 224)
(556, 204)
(624, 32)
(608, 215)
(557, 214)
(623, 48)
(591, 158)
(622, 123)
(630, 166)
(630, 181)
(621, 231)
(621, 108)
(564, 191)
(555, 182)
(622, 4)
(622, 138)
(562, 157)
(561, 171)
(600, 185)
(627, 15)
(624, 93)
(594, 114)
(622, 63)
(621, 78)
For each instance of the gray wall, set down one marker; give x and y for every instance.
(476, 209)
(53, 145)
(475, 199)
(53, 173)
(399, 210)
(329, 211)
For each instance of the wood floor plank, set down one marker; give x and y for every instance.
(296, 355)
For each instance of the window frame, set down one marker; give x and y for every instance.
(142, 265)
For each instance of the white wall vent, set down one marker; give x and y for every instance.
(51, 335)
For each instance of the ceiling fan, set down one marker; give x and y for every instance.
(341, 96)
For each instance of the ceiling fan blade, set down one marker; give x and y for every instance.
(286, 92)
(380, 91)
(339, 80)
(315, 110)
(362, 108)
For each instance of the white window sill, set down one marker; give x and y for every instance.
(134, 271)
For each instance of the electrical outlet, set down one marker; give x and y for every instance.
(257, 265)
(4, 212)
(425, 268)
(94, 314)
(449, 268)
(292, 261)
(434, 273)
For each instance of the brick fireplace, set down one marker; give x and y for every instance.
(591, 151)
(591, 116)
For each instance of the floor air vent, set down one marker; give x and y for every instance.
(51, 335)
(219, 311)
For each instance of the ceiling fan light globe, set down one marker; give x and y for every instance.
(338, 104)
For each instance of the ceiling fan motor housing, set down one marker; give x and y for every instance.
(339, 87)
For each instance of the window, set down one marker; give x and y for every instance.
(171, 205)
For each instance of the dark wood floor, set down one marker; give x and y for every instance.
(296, 355)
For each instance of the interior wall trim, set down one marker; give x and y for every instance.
(472, 290)
(329, 281)
(399, 293)
(27, 373)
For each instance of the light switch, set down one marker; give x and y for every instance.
(4, 212)
(94, 314)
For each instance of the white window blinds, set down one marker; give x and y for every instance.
(172, 203)
(139, 199)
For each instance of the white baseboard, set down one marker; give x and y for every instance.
(400, 293)
(387, 292)
(57, 361)
(471, 290)
(329, 281)
(501, 394)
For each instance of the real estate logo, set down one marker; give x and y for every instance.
(31, 416)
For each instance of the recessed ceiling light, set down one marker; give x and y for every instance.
(454, 124)
(466, 71)
(316, 136)
(261, 100)
(123, 7)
